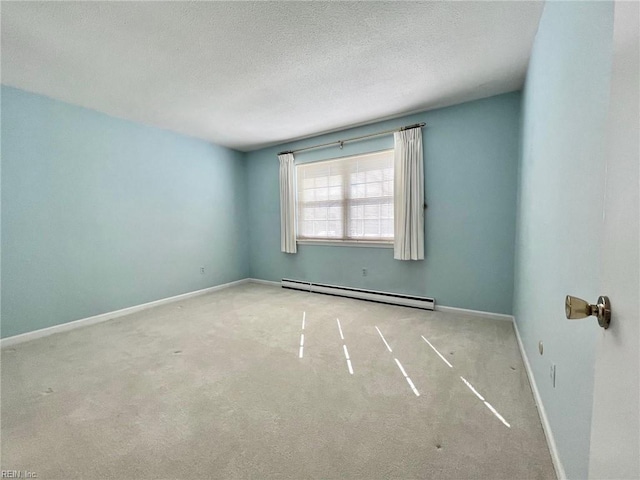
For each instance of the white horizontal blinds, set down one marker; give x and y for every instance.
(347, 199)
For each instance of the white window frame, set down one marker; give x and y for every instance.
(351, 242)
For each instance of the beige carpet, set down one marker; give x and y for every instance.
(214, 387)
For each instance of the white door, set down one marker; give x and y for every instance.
(615, 426)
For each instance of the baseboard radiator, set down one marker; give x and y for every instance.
(362, 294)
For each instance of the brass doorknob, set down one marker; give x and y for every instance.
(575, 308)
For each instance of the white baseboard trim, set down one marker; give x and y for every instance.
(264, 282)
(546, 426)
(84, 322)
(475, 313)
(439, 308)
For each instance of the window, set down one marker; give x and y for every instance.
(346, 199)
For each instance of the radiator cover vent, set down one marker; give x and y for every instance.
(362, 294)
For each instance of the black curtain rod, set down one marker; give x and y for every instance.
(353, 139)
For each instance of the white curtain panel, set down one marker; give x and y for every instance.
(408, 241)
(287, 203)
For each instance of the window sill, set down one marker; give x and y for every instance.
(346, 243)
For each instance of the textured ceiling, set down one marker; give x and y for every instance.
(251, 74)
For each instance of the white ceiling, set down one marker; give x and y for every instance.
(250, 74)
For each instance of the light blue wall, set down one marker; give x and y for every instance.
(560, 206)
(471, 156)
(100, 213)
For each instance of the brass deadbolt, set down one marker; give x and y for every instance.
(576, 308)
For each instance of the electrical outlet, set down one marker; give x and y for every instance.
(202, 270)
(364, 272)
(552, 374)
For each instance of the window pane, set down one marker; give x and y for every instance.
(356, 228)
(308, 195)
(358, 190)
(335, 180)
(335, 213)
(321, 194)
(371, 211)
(320, 228)
(386, 211)
(307, 214)
(358, 177)
(373, 190)
(386, 228)
(374, 176)
(335, 193)
(306, 228)
(335, 229)
(371, 228)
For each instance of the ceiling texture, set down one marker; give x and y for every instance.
(251, 74)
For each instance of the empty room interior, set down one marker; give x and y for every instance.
(323, 240)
